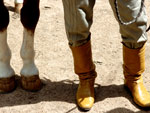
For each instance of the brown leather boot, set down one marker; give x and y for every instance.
(134, 66)
(84, 67)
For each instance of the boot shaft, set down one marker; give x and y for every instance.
(83, 63)
(134, 62)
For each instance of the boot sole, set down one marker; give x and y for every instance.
(140, 107)
(83, 109)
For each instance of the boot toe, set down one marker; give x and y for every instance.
(85, 103)
(143, 103)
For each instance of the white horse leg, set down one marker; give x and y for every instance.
(29, 73)
(5, 54)
(7, 78)
(18, 5)
(27, 54)
(18, 1)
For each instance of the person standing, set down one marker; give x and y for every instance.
(132, 19)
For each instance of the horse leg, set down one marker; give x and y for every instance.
(18, 5)
(7, 78)
(29, 72)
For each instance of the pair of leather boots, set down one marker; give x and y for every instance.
(133, 66)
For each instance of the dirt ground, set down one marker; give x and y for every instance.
(54, 60)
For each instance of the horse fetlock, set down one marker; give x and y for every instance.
(29, 69)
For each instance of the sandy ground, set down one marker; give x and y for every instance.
(54, 60)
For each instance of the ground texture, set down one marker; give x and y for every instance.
(54, 60)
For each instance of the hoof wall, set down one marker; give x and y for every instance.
(7, 84)
(32, 83)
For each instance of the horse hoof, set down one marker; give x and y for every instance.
(31, 83)
(7, 84)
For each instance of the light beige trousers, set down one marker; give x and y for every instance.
(78, 15)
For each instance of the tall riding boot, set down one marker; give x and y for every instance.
(134, 66)
(84, 67)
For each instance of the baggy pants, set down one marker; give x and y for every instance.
(78, 15)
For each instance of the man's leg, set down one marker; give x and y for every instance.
(78, 19)
(132, 20)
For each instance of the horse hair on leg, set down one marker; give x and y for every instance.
(7, 79)
(29, 72)
(18, 6)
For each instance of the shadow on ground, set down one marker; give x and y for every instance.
(61, 91)
(124, 110)
(51, 91)
(112, 91)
